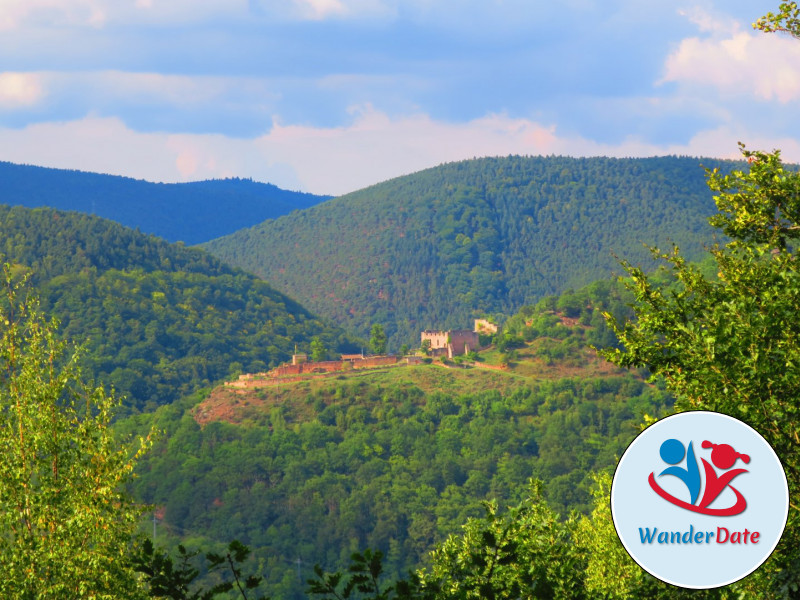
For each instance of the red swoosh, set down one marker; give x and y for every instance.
(737, 508)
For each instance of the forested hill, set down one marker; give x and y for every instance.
(432, 249)
(398, 458)
(189, 212)
(160, 320)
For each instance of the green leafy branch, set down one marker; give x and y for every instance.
(787, 20)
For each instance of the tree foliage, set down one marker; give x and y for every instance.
(318, 350)
(167, 579)
(377, 339)
(527, 552)
(364, 580)
(787, 20)
(732, 343)
(65, 519)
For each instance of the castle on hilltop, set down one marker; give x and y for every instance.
(451, 343)
(457, 341)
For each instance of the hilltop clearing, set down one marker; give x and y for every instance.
(492, 371)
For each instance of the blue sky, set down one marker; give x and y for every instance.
(330, 96)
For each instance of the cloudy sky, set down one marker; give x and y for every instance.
(329, 96)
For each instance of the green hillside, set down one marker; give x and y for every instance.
(189, 212)
(309, 471)
(159, 320)
(431, 250)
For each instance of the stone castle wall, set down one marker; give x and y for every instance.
(452, 343)
(307, 368)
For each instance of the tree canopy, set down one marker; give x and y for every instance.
(66, 521)
(731, 343)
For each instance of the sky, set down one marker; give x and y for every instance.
(330, 96)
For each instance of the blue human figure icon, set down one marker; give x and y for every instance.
(672, 452)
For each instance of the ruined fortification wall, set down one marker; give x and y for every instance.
(484, 326)
(463, 340)
(374, 361)
(438, 339)
(453, 342)
(252, 380)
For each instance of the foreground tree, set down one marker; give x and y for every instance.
(526, 552)
(611, 574)
(732, 344)
(787, 20)
(171, 579)
(65, 521)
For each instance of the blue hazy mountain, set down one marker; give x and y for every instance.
(188, 212)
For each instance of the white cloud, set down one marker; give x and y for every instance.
(736, 62)
(107, 145)
(143, 100)
(324, 160)
(20, 90)
(176, 90)
(720, 142)
(320, 9)
(375, 147)
(17, 13)
(336, 160)
(181, 12)
(708, 22)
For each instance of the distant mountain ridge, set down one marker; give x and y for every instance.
(189, 212)
(436, 248)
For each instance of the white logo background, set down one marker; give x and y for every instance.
(635, 505)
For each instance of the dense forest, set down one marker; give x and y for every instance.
(397, 461)
(433, 249)
(158, 320)
(188, 212)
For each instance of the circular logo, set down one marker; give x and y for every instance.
(699, 500)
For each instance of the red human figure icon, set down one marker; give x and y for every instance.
(724, 457)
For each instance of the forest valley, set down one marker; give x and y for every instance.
(130, 470)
